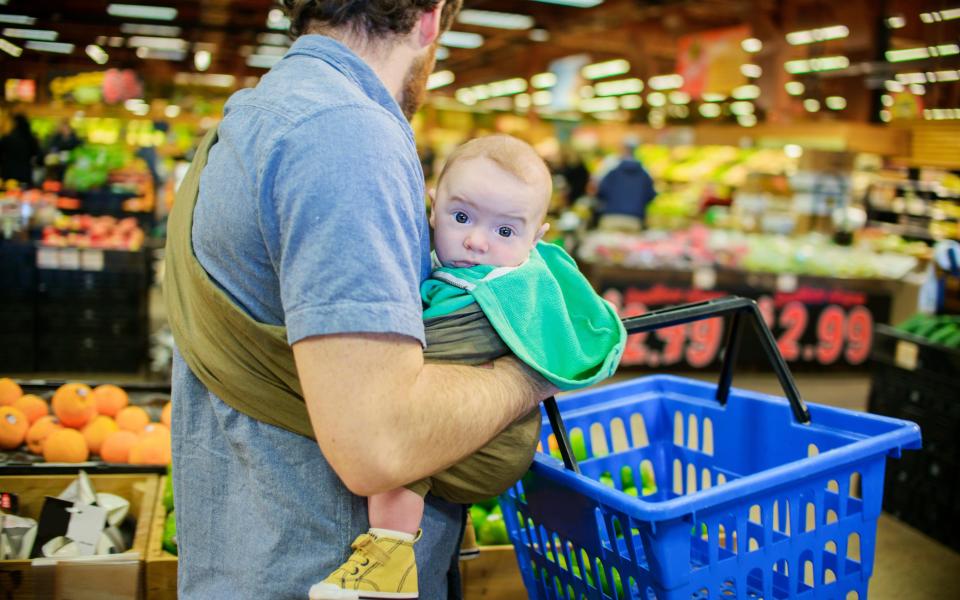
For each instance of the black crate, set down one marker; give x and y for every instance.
(17, 318)
(61, 285)
(92, 319)
(17, 354)
(18, 271)
(91, 353)
(916, 380)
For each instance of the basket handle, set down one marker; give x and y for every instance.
(686, 313)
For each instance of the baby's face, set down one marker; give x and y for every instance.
(484, 215)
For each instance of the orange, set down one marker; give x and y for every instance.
(39, 431)
(166, 416)
(97, 430)
(116, 447)
(133, 418)
(13, 427)
(32, 406)
(73, 404)
(65, 445)
(151, 450)
(110, 399)
(155, 429)
(9, 391)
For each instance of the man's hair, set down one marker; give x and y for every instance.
(509, 153)
(372, 18)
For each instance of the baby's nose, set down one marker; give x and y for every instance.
(476, 242)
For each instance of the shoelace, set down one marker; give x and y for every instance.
(366, 545)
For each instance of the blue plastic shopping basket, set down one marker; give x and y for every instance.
(748, 498)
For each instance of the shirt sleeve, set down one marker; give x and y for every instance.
(341, 212)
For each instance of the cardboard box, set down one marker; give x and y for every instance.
(494, 575)
(161, 566)
(116, 577)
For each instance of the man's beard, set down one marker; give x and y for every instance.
(414, 90)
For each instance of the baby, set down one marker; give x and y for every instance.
(491, 282)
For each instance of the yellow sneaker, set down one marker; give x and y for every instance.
(380, 567)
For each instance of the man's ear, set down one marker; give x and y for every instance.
(543, 229)
(429, 25)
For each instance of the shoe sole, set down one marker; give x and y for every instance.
(469, 554)
(339, 594)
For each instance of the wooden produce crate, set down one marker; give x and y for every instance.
(161, 566)
(81, 579)
(494, 575)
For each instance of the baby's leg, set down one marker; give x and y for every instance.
(399, 510)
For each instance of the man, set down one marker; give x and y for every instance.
(293, 269)
(625, 191)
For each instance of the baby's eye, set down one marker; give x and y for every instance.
(505, 232)
(460, 216)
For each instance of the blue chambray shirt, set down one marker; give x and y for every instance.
(311, 215)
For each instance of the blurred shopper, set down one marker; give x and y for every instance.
(294, 258)
(58, 147)
(625, 191)
(19, 151)
(576, 175)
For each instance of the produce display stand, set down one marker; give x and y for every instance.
(161, 566)
(493, 575)
(28, 580)
(745, 495)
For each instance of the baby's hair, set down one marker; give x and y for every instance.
(511, 154)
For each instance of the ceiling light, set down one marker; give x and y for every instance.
(751, 45)
(742, 108)
(55, 47)
(794, 88)
(709, 97)
(607, 68)
(894, 87)
(836, 102)
(262, 61)
(656, 99)
(665, 82)
(539, 35)
(277, 20)
(466, 96)
(592, 105)
(141, 29)
(710, 110)
(172, 111)
(811, 105)
(44, 35)
(157, 43)
(115, 41)
(747, 120)
(17, 19)
(826, 63)
(160, 54)
(947, 75)
(618, 87)
(135, 11)
(461, 39)
(202, 59)
(679, 98)
(751, 71)
(922, 53)
(943, 15)
(793, 150)
(542, 98)
(439, 79)
(543, 81)
(886, 116)
(97, 54)
(822, 34)
(907, 78)
(522, 101)
(897, 22)
(273, 39)
(575, 3)
(917, 90)
(133, 103)
(746, 92)
(499, 20)
(507, 87)
(482, 92)
(11, 49)
(886, 100)
(631, 102)
(206, 79)
(443, 53)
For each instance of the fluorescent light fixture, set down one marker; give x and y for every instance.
(133, 103)
(710, 97)
(115, 41)
(159, 54)
(665, 82)
(498, 20)
(938, 16)
(747, 120)
(751, 45)
(543, 81)
(539, 35)
(574, 3)
(507, 87)
(202, 60)
(619, 87)
(587, 91)
(439, 79)
(277, 20)
(466, 96)
(813, 65)
(811, 105)
(710, 111)
(946, 75)
(836, 102)
(482, 92)
(17, 19)
(593, 105)
(907, 78)
(97, 54)
(922, 53)
(11, 49)
(262, 61)
(142, 29)
(172, 111)
(461, 39)
(917, 90)
(835, 32)
(886, 116)
(55, 47)
(886, 100)
(631, 101)
(679, 98)
(542, 98)
(607, 68)
(742, 108)
(157, 43)
(746, 92)
(206, 79)
(443, 53)
(136, 11)
(794, 88)
(897, 22)
(751, 71)
(894, 87)
(656, 99)
(522, 101)
(273, 39)
(793, 150)
(44, 35)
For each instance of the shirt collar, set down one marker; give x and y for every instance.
(344, 60)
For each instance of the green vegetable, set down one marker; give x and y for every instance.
(168, 491)
(170, 533)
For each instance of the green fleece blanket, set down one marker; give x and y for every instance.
(544, 310)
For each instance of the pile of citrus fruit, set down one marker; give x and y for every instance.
(80, 422)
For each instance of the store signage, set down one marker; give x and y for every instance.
(20, 90)
(710, 61)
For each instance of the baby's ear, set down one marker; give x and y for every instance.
(432, 193)
(543, 229)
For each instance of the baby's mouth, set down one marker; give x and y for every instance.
(462, 264)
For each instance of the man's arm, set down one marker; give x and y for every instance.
(384, 418)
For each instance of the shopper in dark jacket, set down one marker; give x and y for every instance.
(627, 189)
(18, 151)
